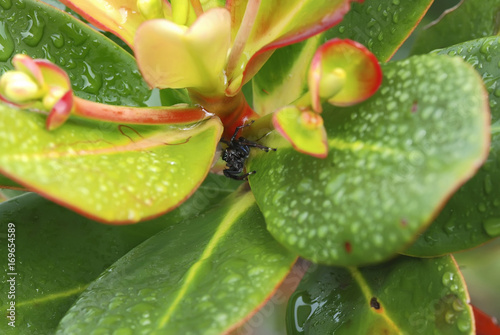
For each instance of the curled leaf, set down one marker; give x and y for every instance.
(343, 72)
(303, 129)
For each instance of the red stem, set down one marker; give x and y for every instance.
(139, 115)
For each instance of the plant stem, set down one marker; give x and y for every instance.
(242, 36)
(139, 115)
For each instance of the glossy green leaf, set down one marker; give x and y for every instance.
(469, 20)
(7, 183)
(283, 78)
(202, 276)
(472, 216)
(99, 70)
(380, 25)
(110, 172)
(58, 252)
(393, 161)
(261, 26)
(481, 270)
(404, 296)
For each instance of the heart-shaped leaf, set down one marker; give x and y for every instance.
(229, 267)
(393, 161)
(469, 20)
(404, 296)
(59, 252)
(87, 165)
(174, 56)
(472, 216)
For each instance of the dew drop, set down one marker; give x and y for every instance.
(492, 226)
(34, 32)
(449, 316)
(6, 42)
(57, 40)
(481, 207)
(463, 325)
(458, 305)
(92, 81)
(448, 278)
(6, 4)
(395, 17)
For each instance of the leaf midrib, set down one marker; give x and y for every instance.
(368, 294)
(243, 203)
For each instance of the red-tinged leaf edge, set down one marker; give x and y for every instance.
(485, 324)
(260, 57)
(264, 302)
(316, 124)
(366, 72)
(91, 216)
(60, 112)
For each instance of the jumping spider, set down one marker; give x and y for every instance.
(236, 152)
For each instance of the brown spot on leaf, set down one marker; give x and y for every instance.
(348, 247)
(374, 303)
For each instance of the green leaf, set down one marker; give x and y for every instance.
(381, 25)
(404, 296)
(472, 216)
(99, 70)
(472, 19)
(228, 267)
(7, 183)
(110, 172)
(393, 161)
(283, 78)
(58, 252)
(481, 270)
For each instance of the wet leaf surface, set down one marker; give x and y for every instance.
(404, 296)
(471, 20)
(58, 252)
(87, 165)
(202, 276)
(472, 216)
(99, 69)
(381, 25)
(393, 161)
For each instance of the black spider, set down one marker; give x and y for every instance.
(236, 152)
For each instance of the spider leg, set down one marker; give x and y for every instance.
(241, 127)
(255, 145)
(245, 176)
